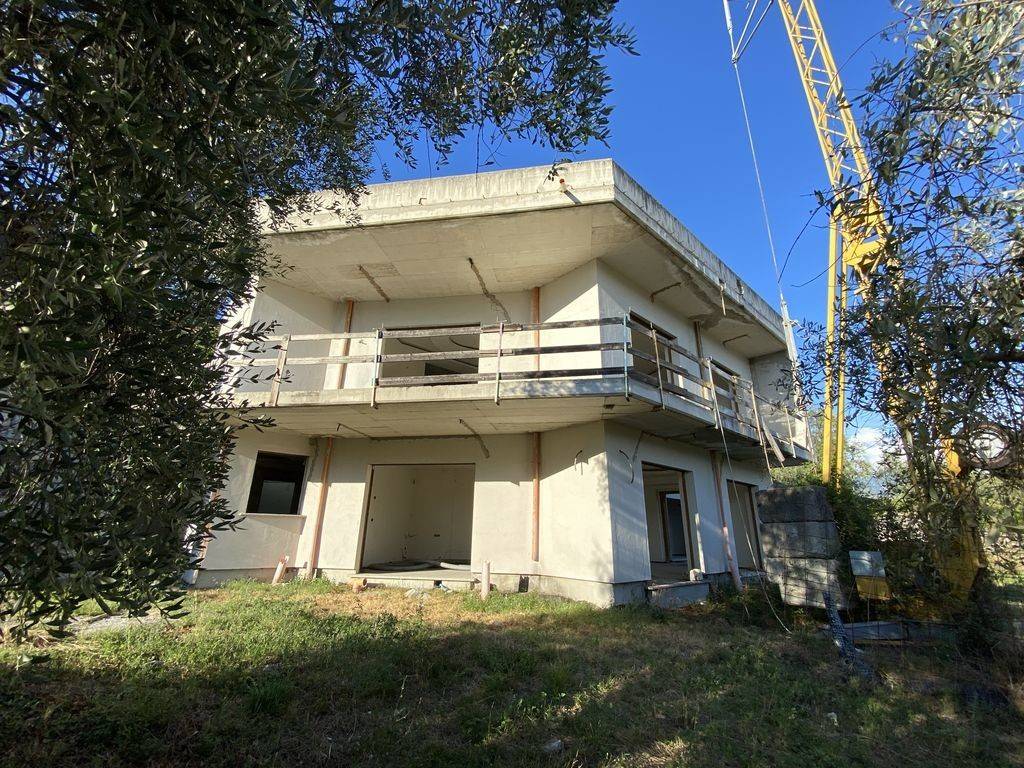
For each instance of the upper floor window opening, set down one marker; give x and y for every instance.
(644, 343)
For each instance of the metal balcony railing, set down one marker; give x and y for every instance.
(641, 354)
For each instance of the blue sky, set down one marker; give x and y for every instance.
(677, 128)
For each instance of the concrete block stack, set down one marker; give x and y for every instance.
(800, 542)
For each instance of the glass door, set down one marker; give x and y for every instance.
(673, 516)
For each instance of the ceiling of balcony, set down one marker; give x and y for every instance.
(422, 259)
(511, 251)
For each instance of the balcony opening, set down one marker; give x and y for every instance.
(276, 484)
(642, 342)
(419, 519)
(669, 523)
(725, 390)
(451, 362)
(744, 522)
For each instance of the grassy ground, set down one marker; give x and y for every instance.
(310, 674)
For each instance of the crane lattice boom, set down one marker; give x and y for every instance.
(859, 215)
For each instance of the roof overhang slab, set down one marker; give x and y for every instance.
(521, 228)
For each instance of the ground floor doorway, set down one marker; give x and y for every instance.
(418, 517)
(670, 524)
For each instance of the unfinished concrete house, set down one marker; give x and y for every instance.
(549, 375)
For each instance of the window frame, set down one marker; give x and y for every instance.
(719, 370)
(737, 487)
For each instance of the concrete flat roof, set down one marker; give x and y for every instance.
(522, 227)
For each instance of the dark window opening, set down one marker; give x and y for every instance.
(276, 484)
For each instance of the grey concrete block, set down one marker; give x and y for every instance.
(804, 580)
(804, 539)
(794, 505)
(815, 570)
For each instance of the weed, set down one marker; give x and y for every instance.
(267, 695)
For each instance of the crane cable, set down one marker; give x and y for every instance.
(732, 475)
(735, 54)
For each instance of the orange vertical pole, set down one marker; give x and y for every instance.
(314, 555)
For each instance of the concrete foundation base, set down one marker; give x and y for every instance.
(678, 595)
(221, 576)
(600, 594)
(596, 593)
(455, 580)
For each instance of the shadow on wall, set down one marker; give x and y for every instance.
(258, 681)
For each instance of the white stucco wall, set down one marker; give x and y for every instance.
(296, 312)
(409, 313)
(772, 376)
(619, 295)
(575, 532)
(502, 494)
(259, 541)
(593, 517)
(575, 529)
(574, 296)
(629, 520)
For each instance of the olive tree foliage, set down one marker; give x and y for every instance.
(942, 127)
(137, 140)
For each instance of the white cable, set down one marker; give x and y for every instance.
(783, 306)
(732, 474)
(745, 38)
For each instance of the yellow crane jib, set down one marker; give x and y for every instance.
(858, 230)
(858, 238)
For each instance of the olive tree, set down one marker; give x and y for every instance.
(138, 141)
(942, 126)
